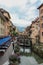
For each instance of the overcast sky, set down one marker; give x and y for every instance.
(22, 12)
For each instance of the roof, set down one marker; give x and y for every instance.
(36, 20)
(2, 16)
(2, 10)
(40, 6)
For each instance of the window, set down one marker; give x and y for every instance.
(36, 27)
(42, 33)
(37, 24)
(2, 22)
(42, 25)
(41, 11)
(32, 26)
(2, 31)
(42, 17)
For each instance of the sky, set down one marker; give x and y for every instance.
(22, 12)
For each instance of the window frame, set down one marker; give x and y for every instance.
(42, 25)
(42, 33)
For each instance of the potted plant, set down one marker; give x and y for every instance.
(13, 60)
(17, 52)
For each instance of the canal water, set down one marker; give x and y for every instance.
(26, 50)
(25, 60)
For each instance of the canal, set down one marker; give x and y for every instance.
(25, 60)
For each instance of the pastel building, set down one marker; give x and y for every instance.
(2, 27)
(5, 23)
(41, 22)
(35, 30)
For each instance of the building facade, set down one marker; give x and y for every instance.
(2, 27)
(37, 27)
(41, 22)
(35, 30)
(5, 23)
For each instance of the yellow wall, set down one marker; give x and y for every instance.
(2, 30)
(41, 21)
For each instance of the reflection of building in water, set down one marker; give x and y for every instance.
(24, 42)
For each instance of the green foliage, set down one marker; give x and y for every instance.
(15, 59)
(38, 59)
(39, 50)
(25, 54)
(12, 58)
(13, 33)
(17, 49)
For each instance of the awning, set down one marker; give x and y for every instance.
(2, 41)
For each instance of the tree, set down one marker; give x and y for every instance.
(13, 34)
